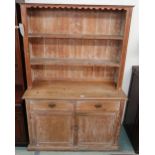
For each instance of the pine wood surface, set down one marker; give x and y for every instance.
(78, 6)
(88, 126)
(75, 58)
(76, 22)
(71, 48)
(74, 36)
(72, 61)
(73, 33)
(73, 90)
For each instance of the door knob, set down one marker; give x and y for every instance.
(98, 105)
(52, 105)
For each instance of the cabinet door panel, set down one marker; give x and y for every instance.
(53, 129)
(96, 129)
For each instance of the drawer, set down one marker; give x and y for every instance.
(51, 105)
(98, 106)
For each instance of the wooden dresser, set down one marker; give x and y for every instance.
(75, 57)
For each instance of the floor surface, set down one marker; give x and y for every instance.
(125, 149)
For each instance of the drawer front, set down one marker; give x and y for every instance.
(51, 105)
(98, 106)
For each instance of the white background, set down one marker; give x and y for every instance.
(147, 74)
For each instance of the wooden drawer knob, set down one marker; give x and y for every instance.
(98, 105)
(52, 105)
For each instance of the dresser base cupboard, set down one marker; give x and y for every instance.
(72, 121)
(74, 58)
(74, 124)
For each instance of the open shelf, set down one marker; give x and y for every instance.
(73, 90)
(76, 45)
(75, 36)
(76, 62)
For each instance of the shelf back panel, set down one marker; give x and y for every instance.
(68, 21)
(73, 73)
(75, 48)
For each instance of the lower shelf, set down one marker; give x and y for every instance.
(76, 62)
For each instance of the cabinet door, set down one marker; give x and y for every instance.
(96, 129)
(52, 129)
(97, 123)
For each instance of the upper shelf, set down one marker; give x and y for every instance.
(76, 62)
(75, 36)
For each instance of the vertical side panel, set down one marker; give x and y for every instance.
(31, 139)
(26, 45)
(124, 47)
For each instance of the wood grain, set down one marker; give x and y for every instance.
(53, 129)
(71, 48)
(95, 129)
(73, 61)
(26, 44)
(124, 47)
(75, 22)
(74, 36)
(77, 6)
(95, 35)
(73, 90)
(48, 105)
(75, 56)
(97, 106)
(72, 73)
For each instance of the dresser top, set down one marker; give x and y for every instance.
(73, 90)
